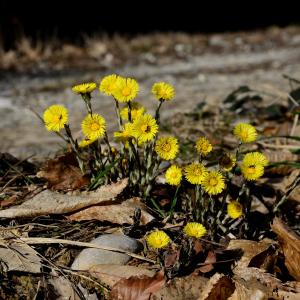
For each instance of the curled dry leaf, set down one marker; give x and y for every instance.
(207, 266)
(138, 288)
(62, 173)
(219, 286)
(119, 213)
(48, 202)
(111, 274)
(290, 243)
(251, 249)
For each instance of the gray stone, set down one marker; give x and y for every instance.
(90, 257)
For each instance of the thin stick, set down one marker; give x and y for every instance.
(33, 241)
(295, 122)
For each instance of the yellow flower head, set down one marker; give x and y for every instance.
(251, 171)
(55, 117)
(158, 239)
(126, 89)
(167, 147)
(136, 111)
(213, 183)
(125, 134)
(84, 88)
(227, 162)
(93, 126)
(85, 142)
(194, 229)
(108, 84)
(144, 128)
(195, 173)
(203, 146)
(173, 175)
(163, 91)
(234, 209)
(256, 158)
(246, 133)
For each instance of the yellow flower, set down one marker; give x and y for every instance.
(246, 133)
(125, 134)
(108, 84)
(203, 146)
(55, 117)
(234, 209)
(195, 172)
(194, 229)
(93, 126)
(126, 89)
(144, 128)
(136, 111)
(252, 171)
(213, 183)
(167, 147)
(86, 142)
(163, 91)
(84, 88)
(255, 158)
(227, 162)
(158, 239)
(173, 175)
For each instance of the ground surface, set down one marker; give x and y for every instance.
(200, 67)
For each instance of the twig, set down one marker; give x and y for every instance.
(278, 146)
(37, 240)
(295, 122)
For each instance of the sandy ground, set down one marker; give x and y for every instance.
(223, 64)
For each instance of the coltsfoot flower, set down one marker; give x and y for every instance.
(136, 111)
(108, 84)
(246, 133)
(158, 239)
(55, 117)
(252, 171)
(203, 146)
(194, 229)
(85, 142)
(163, 91)
(255, 158)
(213, 183)
(144, 128)
(234, 209)
(167, 147)
(125, 134)
(227, 162)
(126, 89)
(173, 175)
(84, 88)
(93, 126)
(195, 173)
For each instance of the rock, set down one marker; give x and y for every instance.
(91, 257)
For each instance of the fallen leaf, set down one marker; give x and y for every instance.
(219, 286)
(119, 213)
(182, 288)
(251, 249)
(62, 173)
(111, 274)
(49, 202)
(208, 263)
(290, 243)
(16, 255)
(137, 288)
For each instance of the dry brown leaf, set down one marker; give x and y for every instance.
(137, 288)
(219, 286)
(111, 274)
(182, 288)
(48, 202)
(254, 281)
(290, 243)
(208, 263)
(250, 249)
(62, 173)
(119, 213)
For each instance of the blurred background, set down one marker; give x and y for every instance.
(206, 49)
